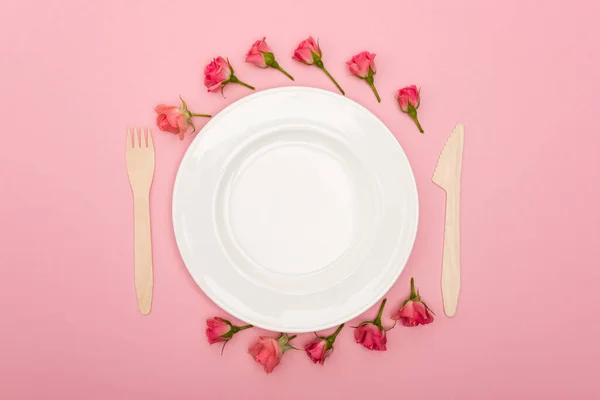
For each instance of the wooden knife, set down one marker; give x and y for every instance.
(447, 176)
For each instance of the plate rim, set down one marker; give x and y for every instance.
(178, 238)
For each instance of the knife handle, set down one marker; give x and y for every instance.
(451, 257)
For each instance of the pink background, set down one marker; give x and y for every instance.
(523, 76)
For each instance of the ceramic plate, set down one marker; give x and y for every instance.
(295, 209)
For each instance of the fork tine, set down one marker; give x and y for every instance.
(150, 143)
(129, 139)
(138, 142)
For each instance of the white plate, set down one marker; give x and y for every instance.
(295, 209)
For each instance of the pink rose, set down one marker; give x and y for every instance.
(215, 73)
(362, 65)
(317, 350)
(409, 99)
(221, 330)
(408, 96)
(321, 347)
(261, 55)
(309, 52)
(371, 334)
(255, 54)
(174, 119)
(268, 351)
(171, 119)
(218, 73)
(217, 329)
(414, 312)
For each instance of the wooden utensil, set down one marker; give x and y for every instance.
(140, 168)
(447, 175)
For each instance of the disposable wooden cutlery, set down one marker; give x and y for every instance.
(447, 176)
(140, 168)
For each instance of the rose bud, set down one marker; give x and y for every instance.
(176, 119)
(221, 330)
(372, 334)
(309, 53)
(409, 99)
(362, 66)
(268, 351)
(219, 73)
(414, 311)
(321, 347)
(261, 55)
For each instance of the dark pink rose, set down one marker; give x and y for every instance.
(408, 96)
(217, 330)
(414, 312)
(216, 73)
(317, 350)
(362, 64)
(220, 330)
(371, 336)
(308, 51)
(322, 347)
(219, 73)
(409, 99)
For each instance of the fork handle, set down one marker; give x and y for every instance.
(143, 255)
(451, 257)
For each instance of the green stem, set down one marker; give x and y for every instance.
(413, 114)
(331, 338)
(320, 65)
(276, 65)
(201, 115)
(375, 91)
(413, 294)
(377, 320)
(241, 328)
(235, 79)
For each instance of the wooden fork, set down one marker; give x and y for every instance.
(140, 167)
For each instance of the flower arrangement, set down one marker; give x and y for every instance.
(219, 73)
(371, 334)
(268, 351)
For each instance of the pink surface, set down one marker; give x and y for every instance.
(523, 76)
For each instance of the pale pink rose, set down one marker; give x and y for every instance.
(413, 313)
(176, 119)
(360, 64)
(408, 95)
(171, 119)
(216, 73)
(304, 51)
(255, 54)
(371, 336)
(216, 328)
(266, 351)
